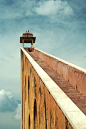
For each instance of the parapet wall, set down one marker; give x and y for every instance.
(71, 73)
(43, 104)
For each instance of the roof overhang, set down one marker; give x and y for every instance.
(27, 39)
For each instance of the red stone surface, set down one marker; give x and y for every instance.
(70, 73)
(27, 34)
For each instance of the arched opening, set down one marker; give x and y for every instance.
(45, 114)
(28, 88)
(35, 113)
(35, 86)
(25, 87)
(29, 121)
(28, 83)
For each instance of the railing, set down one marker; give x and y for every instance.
(43, 104)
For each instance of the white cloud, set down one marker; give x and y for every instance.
(7, 102)
(18, 112)
(9, 111)
(53, 7)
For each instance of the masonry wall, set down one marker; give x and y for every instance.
(39, 109)
(43, 103)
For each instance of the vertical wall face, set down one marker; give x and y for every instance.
(39, 110)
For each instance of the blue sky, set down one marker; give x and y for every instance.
(60, 29)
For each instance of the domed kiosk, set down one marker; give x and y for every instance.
(27, 37)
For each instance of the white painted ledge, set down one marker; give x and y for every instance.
(74, 115)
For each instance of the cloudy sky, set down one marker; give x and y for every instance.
(60, 29)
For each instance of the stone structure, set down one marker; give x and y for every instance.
(53, 92)
(27, 38)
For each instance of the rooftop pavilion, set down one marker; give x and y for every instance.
(27, 37)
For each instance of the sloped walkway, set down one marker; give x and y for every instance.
(72, 93)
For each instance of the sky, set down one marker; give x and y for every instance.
(60, 30)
